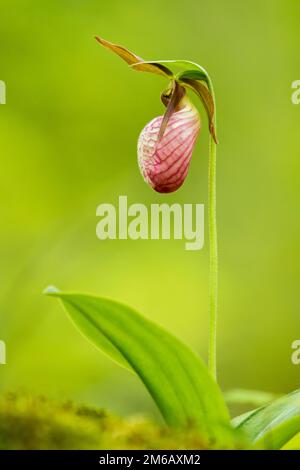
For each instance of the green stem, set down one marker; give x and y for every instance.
(213, 256)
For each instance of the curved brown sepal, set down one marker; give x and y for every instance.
(171, 98)
(207, 99)
(131, 59)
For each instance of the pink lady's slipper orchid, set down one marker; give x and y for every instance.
(166, 143)
(164, 158)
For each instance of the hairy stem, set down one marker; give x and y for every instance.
(213, 256)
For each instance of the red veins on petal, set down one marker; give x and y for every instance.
(164, 162)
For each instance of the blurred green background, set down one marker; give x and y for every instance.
(68, 143)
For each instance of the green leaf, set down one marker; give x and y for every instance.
(273, 425)
(192, 75)
(186, 65)
(177, 379)
(253, 397)
(292, 444)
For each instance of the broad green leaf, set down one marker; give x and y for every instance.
(281, 435)
(241, 418)
(273, 425)
(292, 444)
(253, 397)
(177, 379)
(91, 331)
(133, 59)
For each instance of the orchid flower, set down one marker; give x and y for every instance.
(165, 148)
(166, 144)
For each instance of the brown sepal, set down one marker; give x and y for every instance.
(208, 102)
(131, 59)
(172, 99)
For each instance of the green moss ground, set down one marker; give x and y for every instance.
(28, 422)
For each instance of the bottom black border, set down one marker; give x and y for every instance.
(135, 459)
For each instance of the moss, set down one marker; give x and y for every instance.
(28, 422)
